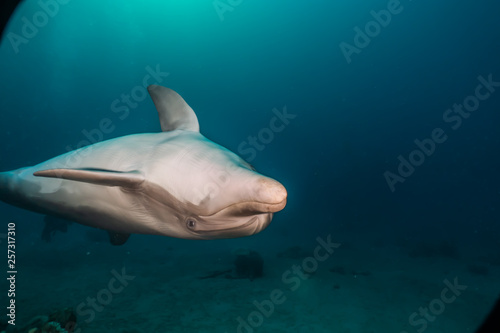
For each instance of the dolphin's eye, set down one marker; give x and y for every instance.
(191, 223)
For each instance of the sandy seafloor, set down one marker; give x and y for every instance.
(367, 285)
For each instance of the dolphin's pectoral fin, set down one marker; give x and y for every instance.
(127, 179)
(116, 238)
(174, 112)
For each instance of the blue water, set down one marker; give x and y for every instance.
(357, 101)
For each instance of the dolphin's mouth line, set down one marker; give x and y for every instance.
(251, 208)
(244, 225)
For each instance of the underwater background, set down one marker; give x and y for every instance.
(389, 151)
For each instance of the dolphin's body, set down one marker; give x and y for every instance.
(175, 183)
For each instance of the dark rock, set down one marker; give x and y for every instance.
(65, 317)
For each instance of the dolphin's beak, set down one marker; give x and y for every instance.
(266, 195)
(270, 195)
(262, 197)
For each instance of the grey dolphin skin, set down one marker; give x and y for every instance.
(175, 183)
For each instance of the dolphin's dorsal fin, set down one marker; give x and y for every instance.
(126, 179)
(174, 112)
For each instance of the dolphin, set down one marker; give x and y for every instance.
(174, 183)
